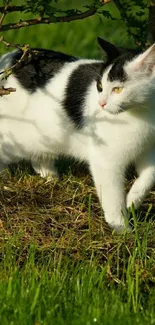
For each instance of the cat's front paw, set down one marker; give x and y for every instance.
(119, 229)
(119, 222)
(133, 199)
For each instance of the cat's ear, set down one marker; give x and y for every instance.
(144, 62)
(111, 50)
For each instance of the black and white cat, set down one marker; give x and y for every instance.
(102, 113)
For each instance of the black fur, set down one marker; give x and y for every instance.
(118, 57)
(111, 50)
(78, 84)
(36, 71)
(117, 71)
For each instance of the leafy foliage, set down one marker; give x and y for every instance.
(136, 18)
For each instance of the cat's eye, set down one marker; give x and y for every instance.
(99, 86)
(117, 90)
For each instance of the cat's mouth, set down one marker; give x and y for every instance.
(120, 109)
(117, 109)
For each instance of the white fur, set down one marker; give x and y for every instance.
(35, 127)
(129, 137)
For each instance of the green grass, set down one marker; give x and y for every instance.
(59, 261)
(47, 289)
(63, 292)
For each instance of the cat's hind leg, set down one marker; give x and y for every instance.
(146, 170)
(46, 169)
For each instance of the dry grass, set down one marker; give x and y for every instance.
(63, 213)
(63, 216)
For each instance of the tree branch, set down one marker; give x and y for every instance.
(36, 21)
(12, 9)
(4, 12)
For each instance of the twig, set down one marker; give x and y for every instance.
(25, 48)
(12, 8)
(36, 21)
(8, 44)
(105, 1)
(4, 12)
(6, 91)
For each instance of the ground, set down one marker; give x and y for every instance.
(61, 260)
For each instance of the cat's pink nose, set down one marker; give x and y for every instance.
(102, 103)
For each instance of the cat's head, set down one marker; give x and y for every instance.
(129, 79)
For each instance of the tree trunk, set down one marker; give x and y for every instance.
(151, 24)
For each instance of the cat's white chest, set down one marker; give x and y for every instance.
(122, 135)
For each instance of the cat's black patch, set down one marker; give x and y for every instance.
(38, 67)
(78, 84)
(117, 71)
